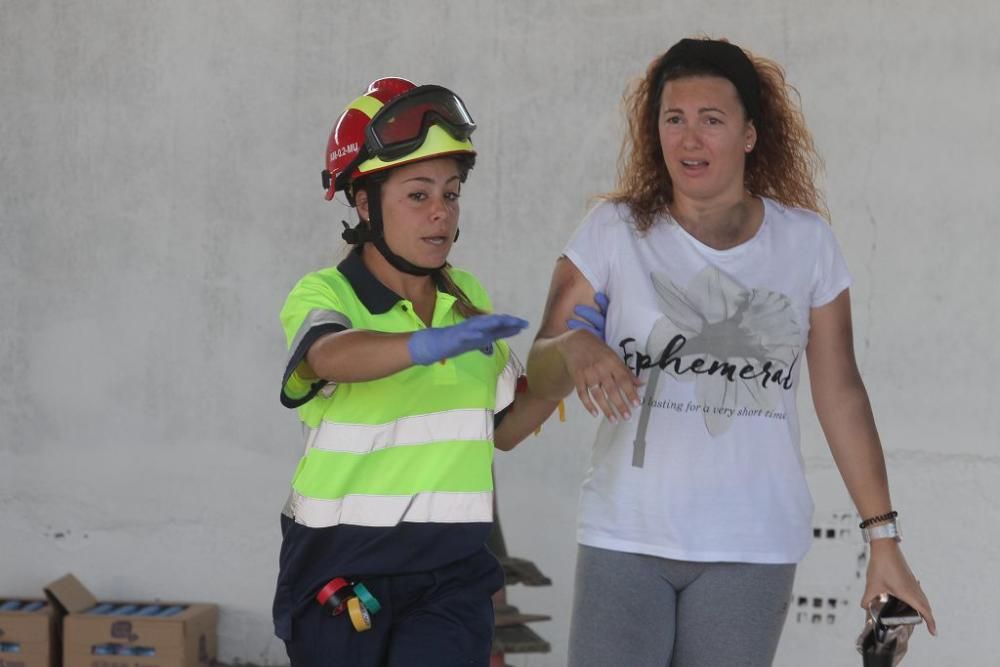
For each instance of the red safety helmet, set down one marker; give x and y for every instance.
(395, 122)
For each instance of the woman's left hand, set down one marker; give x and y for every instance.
(888, 572)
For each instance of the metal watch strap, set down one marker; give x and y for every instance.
(882, 531)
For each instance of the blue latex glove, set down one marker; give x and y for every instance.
(437, 343)
(591, 319)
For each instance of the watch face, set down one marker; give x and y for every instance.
(882, 531)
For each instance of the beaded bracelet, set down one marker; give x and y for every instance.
(878, 519)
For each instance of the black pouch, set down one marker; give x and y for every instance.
(886, 634)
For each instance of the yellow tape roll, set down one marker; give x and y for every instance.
(360, 618)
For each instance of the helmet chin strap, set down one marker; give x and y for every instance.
(375, 234)
(400, 263)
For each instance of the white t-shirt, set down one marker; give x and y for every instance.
(709, 469)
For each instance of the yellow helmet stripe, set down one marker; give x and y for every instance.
(367, 105)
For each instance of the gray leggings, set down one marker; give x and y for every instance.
(631, 610)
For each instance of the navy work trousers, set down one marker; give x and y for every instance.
(441, 618)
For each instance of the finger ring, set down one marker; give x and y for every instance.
(593, 387)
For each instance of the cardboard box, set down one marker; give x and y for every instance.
(29, 638)
(186, 638)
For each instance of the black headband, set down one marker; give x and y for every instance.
(711, 57)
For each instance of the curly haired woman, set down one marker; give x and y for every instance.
(721, 273)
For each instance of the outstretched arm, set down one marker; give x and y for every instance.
(356, 355)
(359, 355)
(845, 414)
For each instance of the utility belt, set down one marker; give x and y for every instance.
(340, 595)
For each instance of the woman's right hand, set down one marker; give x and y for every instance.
(888, 572)
(603, 381)
(434, 344)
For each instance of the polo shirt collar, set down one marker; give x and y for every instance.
(375, 296)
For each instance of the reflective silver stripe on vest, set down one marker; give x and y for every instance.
(431, 507)
(315, 318)
(507, 382)
(471, 424)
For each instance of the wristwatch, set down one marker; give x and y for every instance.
(882, 531)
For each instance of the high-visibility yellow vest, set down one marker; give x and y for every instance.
(416, 446)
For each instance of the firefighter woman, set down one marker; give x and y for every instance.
(404, 384)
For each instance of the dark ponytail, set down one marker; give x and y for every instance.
(465, 307)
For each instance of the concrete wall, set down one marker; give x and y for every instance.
(160, 193)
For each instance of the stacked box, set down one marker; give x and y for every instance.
(28, 633)
(134, 634)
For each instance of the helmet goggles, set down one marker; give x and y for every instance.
(400, 127)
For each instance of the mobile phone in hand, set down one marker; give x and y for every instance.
(896, 612)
